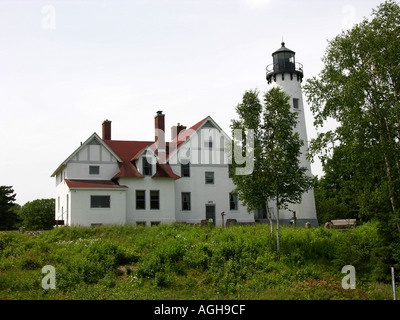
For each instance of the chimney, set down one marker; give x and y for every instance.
(107, 130)
(159, 128)
(175, 130)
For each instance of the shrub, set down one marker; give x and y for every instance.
(149, 267)
(162, 280)
(198, 257)
(68, 278)
(357, 247)
(29, 263)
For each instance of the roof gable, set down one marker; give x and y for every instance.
(93, 139)
(185, 135)
(144, 151)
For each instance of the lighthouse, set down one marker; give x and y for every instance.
(286, 73)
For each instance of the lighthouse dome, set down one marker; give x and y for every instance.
(284, 62)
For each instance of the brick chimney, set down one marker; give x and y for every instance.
(175, 130)
(159, 128)
(107, 130)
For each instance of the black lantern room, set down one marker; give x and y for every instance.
(284, 62)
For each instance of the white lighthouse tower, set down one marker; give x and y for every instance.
(288, 74)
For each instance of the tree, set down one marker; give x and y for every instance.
(38, 214)
(277, 174)
(8, 217)
(359, 87)
(351, 186)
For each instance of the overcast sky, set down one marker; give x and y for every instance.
(67, 65)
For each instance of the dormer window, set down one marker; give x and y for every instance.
(147, 167)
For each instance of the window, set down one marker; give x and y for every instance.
(233, 201)
(100, 201)
(140, 199)
(209, 177)
(94, 170)
(147, 168)
(208, 144)
(230, 170)
(154, 199)
(185, 170)
(62, 175)
(185, 201)
(295, 103)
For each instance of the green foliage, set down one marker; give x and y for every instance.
(38, 214)
(350, 189)
(191, 262)
(277, 173)
(162, 279)
(8, 216)
(359, 87)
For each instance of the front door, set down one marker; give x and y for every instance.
(210, 212)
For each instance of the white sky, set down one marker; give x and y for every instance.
(67, 65)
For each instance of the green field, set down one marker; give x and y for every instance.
(181, 261)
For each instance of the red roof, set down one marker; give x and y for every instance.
(164, 171)
(129, 150)
(183, 135)
(198, 124)
(75, 183)
(126, 150)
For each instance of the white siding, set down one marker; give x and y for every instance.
(166, 188)
(92, 155)
(80, 170)
(204, 159)
(84, 215)
(203, 194)
(62, 191)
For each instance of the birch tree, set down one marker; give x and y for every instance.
(277, 174)
(359, 87)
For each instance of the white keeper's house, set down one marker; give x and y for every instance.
(107, 181)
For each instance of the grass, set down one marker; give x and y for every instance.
(192, 262)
